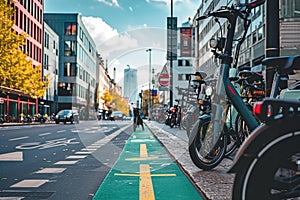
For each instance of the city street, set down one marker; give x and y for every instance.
(89, 160)
(58, 161)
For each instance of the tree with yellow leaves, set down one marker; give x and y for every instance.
(16, 70)
(120, 103)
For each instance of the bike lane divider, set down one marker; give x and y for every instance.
(145, 171)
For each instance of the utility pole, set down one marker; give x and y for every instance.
(171, 58)
(149, 97)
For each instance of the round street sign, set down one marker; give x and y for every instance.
(163, 79)
(1, 100)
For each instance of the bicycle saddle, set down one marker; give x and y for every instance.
(244, 68)
(245, 73)
(285, 63)
(255, 77)
(202, 74)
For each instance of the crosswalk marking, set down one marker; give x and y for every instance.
(84, 152)
(76, 157)
(51, 171)
(33, 183)
(70, 162)
(14, 156)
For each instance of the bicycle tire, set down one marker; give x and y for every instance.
(204, 162)
(261, 178)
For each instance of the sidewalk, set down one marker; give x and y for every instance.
(215, 184)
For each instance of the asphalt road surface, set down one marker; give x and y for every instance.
(58, 161)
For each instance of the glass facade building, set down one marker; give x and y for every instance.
(77, 63)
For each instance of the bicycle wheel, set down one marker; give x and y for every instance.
(205, 160)
(274, 175)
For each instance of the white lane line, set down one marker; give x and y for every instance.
(19, 138)
(61, 131)
(14, 156)
(34, 183)
(44, 134)
(76, 157)
(66, 162)
(51, 171)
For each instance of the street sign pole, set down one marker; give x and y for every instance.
(149, 97)
(171, 59)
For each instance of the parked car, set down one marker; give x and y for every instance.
(67, 116)
(118, 115)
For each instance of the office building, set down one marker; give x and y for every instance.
(77, 63)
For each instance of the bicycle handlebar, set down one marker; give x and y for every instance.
(224, 11)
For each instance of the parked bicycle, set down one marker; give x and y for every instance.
(210, 136)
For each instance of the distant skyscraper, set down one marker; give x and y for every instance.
(130, 84)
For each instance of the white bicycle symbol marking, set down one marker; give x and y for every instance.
(48, 144)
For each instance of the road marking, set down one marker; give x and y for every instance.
(143, 151)
(44, 134)
(100, 143)
(66, 162)
(152, 175)
(61, 131)
(14, 156)
(30, 183)
(19, 138)
(142, 158)
(84, 152)
(76, 157)
(11, 198)
(47, 144)
(51, 171)
(143, 140)
(146, 186)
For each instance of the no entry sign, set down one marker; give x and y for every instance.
(164, 77)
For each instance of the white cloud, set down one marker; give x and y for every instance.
(128, 48)
(98, 29)
(107, 39)
(110, 2)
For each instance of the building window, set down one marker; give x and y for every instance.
(65, 89)
(46, 40)
(180, 77)
(254, 37)
(70, 28)
(187, 63)
(70, 69)
(70, 48)
(260, 33)
(46, 61)
(179, 62)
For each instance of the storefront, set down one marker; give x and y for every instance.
(14, 102)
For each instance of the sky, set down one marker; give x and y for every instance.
(124, 29)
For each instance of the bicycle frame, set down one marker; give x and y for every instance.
(226, 63)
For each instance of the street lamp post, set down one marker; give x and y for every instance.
(149, 100)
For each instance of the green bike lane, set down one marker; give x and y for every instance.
(145, 171)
